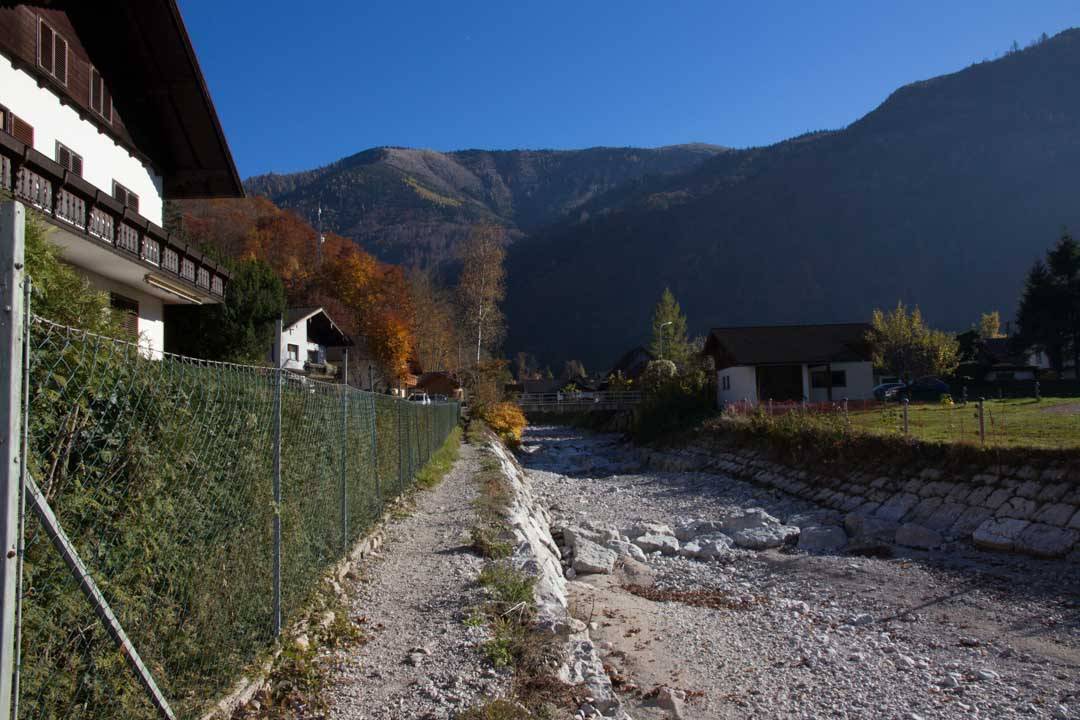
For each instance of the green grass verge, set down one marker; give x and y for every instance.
(1050, 423)
(441, 462)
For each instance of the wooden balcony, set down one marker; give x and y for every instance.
(78, 207)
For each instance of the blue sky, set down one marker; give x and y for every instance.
(296, 88)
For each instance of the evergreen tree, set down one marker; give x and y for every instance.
(1049, 312)
(669, 338)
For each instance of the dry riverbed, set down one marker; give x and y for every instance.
(782, 633)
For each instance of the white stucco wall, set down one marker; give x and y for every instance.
(743, 385)
(151, 311)
(294, 335)
(103, 160)
(860, 383)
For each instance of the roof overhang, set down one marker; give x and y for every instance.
(145, 54)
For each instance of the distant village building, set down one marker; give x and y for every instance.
(633, 363)
(792, 363)
(104, 115)
(440, 383)
(308, 337)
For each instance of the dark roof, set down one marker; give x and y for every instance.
(320, 329)
(632, 362)
(779, 344)
(143, 51)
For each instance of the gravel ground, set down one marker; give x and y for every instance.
(419, 659)
(956, 634)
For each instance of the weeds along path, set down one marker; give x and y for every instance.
(411, 599)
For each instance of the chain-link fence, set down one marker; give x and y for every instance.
(163, 474)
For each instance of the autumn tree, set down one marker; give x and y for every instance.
(435, 325)
(903, 345)
(482, 287)
(990, 325)
(669, 333)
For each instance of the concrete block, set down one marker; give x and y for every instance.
(1044, 540)
(999, 533)
(1017, 507)
(1057, 514)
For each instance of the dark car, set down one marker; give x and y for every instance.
(887, 391)
(925, 389)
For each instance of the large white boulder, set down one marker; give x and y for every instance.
(666, 544)
(822, 538)
(765, 536)
(592, 558)
(636, 531)
(707, 548)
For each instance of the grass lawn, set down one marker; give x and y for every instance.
(1024, 422)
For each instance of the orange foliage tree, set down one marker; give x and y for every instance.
(368, 298)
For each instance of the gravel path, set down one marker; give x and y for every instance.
(419, 660)
(962, 634)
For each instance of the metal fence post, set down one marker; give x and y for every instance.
(12, 337)
(401, 449)
(907, 428)
(982, 424)
(344, 456)
(375, 452)
(277, 477)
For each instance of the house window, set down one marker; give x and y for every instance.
(313, 356)
(22, 130)
(69, 159)
(52, 52)
(125, 197)
(725, 382)
(819, 379)
(100, 100)
(294, 352)
(127, 311)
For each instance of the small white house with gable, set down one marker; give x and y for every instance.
(784, 363)
(307, 335)
(104, 115)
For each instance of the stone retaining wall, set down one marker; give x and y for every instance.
(537, 553)
(1019, 509)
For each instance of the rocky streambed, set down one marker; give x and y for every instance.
(710, 597)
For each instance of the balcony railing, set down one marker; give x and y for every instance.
(71, 202)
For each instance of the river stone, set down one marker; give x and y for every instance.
(998, 533)
(870, 528)
(918, 536)
(822, 538)
(707, 548)
(815, 518)
(1046, 540)
(592, 558)
(666, 544)
(749, 519)
(765, 536)
(637, 531)
(629, 549)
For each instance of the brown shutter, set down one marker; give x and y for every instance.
(76, 164)
(128, 311)
(95, 91)
(45, 46)
(133, 201)
(61, 59)
(22, 130)
(63, 156)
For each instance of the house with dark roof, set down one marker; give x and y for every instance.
(633, 363)
(307, 334)
(105, 115)
(784, 363)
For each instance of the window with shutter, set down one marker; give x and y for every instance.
(127, 311)
(22, 130)
(100, 101)
(52, 52)
(69, 159)
(45, 47)
(125, 196)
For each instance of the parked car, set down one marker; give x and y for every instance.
(421, 398)
(439, 398)
(887, 391)
(925, 389)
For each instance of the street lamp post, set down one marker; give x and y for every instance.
(662, 326)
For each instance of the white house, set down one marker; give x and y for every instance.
(104, 114)
(306, 337)
(791, 363)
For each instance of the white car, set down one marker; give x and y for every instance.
(421, 398)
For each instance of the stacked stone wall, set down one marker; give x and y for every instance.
(1017, 508)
